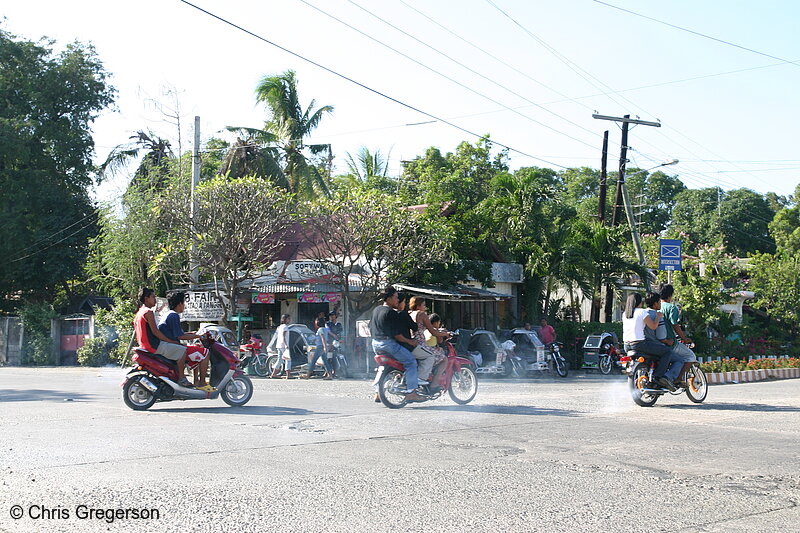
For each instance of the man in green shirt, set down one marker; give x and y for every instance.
(672, 316)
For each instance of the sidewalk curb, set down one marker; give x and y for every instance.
(744, 376)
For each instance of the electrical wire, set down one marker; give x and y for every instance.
(364, 86)
(441, 74)
(705, 36)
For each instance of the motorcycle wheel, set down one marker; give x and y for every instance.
(463, 386)
(260, 365)
(342, 370)
(393, 379)
(696, 384)
(272, 362)
(238, 391)
(559, 365)
(636, 382)
(136, 396)
(508, 369)
(606, 364)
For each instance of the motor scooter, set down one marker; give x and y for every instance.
(154, 378)
(458, 379)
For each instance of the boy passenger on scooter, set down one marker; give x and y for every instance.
(386, 339)
(170, 326)
(672, 316)
(151, 339)
(659, 334)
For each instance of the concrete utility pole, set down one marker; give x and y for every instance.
(622, 195)
(193, 266)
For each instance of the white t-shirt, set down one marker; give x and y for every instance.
(281, 333)
(633, 328)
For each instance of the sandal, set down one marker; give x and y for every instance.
(183, 382)
(206, 388)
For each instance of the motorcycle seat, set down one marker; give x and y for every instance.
(158, 357)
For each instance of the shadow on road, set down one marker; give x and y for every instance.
(747, 407)
(36, 395)
(500, 409)
(246, 410)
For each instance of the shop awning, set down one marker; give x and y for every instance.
(457, 293)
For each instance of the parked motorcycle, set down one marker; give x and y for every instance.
(154, 378)
(253, 355)
(458, 380)
(338, 360)
(640, 367)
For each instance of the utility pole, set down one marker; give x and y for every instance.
(601, 209)
(622, 198)
(601, 216)
(194, 276)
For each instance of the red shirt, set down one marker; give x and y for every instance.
(147, 339)
(548, 334)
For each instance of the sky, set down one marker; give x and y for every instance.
(530, 73)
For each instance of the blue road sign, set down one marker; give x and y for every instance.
(669, 255)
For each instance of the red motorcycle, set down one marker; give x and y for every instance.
(155, 378)
(458, 379)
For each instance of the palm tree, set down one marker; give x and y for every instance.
(288, 164)
(154, 167)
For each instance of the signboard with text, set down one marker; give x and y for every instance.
(202, 306)
(669, 255)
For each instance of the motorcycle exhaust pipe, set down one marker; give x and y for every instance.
(147, 384)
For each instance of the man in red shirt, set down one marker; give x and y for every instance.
(547, 333)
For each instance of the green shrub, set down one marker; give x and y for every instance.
(38, 342)
(94, 352)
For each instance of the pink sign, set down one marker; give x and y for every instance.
(318, 297)
(263, 298)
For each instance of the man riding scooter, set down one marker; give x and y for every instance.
(386, 340)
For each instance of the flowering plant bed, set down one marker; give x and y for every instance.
(729, 364)
(732, 370)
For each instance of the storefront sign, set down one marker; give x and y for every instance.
(202, 306)
(318, 297)
(263, 298)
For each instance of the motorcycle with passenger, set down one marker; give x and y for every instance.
(155, 378)
(458, 380)
(639, 368)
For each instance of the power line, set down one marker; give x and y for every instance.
(52, 244)
(363, 86)
(705, 36)
(441, 74)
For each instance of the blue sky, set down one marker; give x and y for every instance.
(559, 62)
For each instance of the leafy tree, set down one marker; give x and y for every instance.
(654, 195)
(367, 170)
(775, 281)
(238, 228)
(48, 102)
(738, 219)
(453, 186)
(785, 229)
(366, 238)
(278, 151)
(154, 168)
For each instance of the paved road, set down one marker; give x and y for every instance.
(539, 455)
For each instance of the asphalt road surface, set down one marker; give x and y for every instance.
(526, 455)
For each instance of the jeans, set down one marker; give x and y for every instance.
(283, 363)
(680, 354)
(319, 352)
(658, 349)
(393, 349)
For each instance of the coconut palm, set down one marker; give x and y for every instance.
(154, 166)
(292, 163)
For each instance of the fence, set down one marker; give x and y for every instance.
(11, 335)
